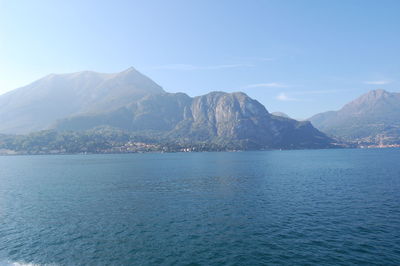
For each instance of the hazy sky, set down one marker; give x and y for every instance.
(299, 57)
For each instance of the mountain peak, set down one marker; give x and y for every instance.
(129, 70)
(369, 99)
(377, 93)
(280, 114)
(90, 73)
(58, 96)
(373, 114)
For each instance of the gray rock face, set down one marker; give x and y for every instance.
(132, 102)
(38, 105)
(373, 117)
(217, 117)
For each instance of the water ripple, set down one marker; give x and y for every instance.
(328, 207)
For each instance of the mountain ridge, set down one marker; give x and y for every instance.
(67, 94)
(216, 116)
(373, 117)
(132, 102)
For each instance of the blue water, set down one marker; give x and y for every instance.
(316, 207)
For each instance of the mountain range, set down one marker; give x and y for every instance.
(373, 118)
(132, 102)
(38, 105)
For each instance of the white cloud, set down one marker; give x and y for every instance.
(378, 82)
(188, 67)
(284, 97)
(266, 85)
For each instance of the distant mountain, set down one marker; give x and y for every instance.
(38, 105)
(217, 117)
(372, 118)
(280, 114)
(131, 102)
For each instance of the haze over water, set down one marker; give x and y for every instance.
(321, 207)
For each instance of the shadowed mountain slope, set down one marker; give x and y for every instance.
(132, 102)
(217, 117)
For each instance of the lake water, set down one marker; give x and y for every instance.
(315, 207)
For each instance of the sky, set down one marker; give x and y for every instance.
(297, 57)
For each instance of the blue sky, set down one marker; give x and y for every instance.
(298, 57)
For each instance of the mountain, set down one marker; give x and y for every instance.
(372, 118)
(217, 117)
(131, 102)
(38, 105)
(281, 114)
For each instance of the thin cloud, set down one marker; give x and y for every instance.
(378, 82)
(188, 67)
(266, 85)
(284, 97)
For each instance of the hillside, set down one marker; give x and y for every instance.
(38, 105)
(217, 116)
(131, 102)
(372, 118)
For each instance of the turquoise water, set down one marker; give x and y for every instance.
(316, 207)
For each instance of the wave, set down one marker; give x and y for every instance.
(20, 263)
